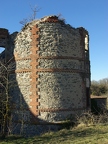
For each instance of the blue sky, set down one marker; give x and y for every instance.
(90, 14)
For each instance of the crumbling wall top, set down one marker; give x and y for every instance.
(3, 33)
(3, 37)
(50, 19)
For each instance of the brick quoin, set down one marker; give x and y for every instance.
(34, 90)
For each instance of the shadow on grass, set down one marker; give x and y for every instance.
(72, 134)
(60, 136)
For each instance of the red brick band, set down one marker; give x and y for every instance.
(48, 70)
(49, 57)
(58, 110)
(61, 70)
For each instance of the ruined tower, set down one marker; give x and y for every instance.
(51, 73)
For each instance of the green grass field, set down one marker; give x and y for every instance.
(97, 134)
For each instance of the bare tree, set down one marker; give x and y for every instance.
(32, 17)
(4, 98)
(5, 85)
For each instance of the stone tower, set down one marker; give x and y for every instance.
(50, 71)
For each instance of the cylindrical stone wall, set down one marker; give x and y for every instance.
(20, 79)
(49, 70)
(60, 71)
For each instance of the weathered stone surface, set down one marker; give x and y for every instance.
(59, 116)
(3, 37)
(22, 44)
(61, 90)
(25, 64)
(61, 64)
(59, 40)
(48, 73)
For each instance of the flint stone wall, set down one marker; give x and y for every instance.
(60, 90)
(59, 40)
(48, 74)
(20, 91)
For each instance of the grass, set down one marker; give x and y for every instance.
(97, 134)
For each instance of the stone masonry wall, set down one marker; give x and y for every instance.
(48, 72)
(60, 64)
(20, 75)
(49, 68)
(3, 37)
(59, 40)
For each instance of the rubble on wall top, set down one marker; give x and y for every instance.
(47, 17)
(51, 18)
(55, 19)
(83, 30)
(44, 19)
